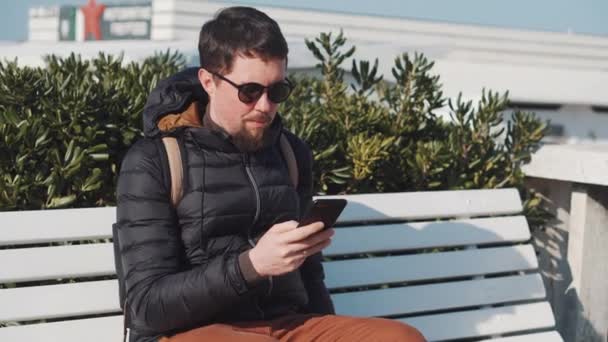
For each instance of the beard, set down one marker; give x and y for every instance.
(250, 140)
(247, 139)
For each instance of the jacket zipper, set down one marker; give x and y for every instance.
(257, 198)
(255, 218)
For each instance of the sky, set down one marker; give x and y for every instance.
(575, 16)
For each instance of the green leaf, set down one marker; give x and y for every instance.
(41, 139)
(65, 83)
(100, 156)
(97, 148)
(68, 152)
(60, 202)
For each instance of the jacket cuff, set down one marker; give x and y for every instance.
(249, 273)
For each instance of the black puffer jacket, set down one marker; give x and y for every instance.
(180, 277)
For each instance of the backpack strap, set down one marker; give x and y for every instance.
(290, 158)
(176, 169)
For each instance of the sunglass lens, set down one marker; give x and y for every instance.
(250, 92)
(279, 92)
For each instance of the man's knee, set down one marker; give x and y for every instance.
(391, 330)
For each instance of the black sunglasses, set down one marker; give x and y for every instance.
(251, 91)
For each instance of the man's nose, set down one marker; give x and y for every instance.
(264, 104)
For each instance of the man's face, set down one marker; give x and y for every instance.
(245, 122)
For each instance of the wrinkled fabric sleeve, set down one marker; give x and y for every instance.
(162, 295)
(311, 270)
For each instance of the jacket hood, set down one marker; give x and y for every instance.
(181, 96)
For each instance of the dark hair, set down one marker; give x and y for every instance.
(242, 31)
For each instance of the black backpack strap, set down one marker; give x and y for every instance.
(125, 323)
(122, 296)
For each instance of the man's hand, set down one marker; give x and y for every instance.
(284, 247)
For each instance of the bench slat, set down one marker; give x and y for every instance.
(24, 227)
(384, 270)
(394, 237)
(467, 324)
(430, 204)
(422, 298)
(45, 263)
(57, 262)
(97, 297)
(53, 301)
(549, 336)
(42, 263)
(485, 322)
(40, 226)
(103, 329)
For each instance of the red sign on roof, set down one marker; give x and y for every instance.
(92, 19)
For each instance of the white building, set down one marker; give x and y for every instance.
(562, 77)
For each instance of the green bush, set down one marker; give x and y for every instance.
(377, 136)
(65, 128)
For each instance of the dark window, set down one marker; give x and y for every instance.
(532, 106)
(555, 130)
(600, 109)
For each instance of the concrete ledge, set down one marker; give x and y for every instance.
(580, 163)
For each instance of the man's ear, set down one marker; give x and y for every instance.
(206, 79)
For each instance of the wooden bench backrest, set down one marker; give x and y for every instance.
(455, 264)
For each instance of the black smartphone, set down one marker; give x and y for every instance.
(324, 210)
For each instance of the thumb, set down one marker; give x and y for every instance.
(284, 227)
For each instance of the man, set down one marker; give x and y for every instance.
(227, 262)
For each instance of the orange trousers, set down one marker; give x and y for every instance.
(304, 328)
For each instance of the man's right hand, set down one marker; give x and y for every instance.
(285, 246)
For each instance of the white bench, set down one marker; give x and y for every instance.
(465, 276)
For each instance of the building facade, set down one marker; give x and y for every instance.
(562, 77)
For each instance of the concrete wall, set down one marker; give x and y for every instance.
(573, 247)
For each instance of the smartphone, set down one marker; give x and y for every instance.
(324, 210)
